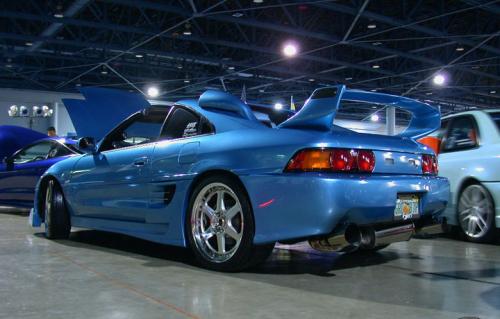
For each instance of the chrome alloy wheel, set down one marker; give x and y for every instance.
(217, 222)
(475, 211)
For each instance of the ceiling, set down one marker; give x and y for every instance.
(388, 46)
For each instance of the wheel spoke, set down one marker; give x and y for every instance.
(220, 201)
(207, 210)
(221, 243)
(482, 203)
(465, 211)
(208, 233)
(471, 227)
(231, 232)
(480, 221)
(465, 200)
(233, 211)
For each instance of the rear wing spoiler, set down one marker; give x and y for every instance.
(320, 109)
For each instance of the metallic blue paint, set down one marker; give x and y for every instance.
(107, 191)
(319, 112)
(17, 184)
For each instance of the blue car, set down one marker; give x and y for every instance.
(206, 174)
(19, 172)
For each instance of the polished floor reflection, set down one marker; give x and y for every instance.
(100, 275)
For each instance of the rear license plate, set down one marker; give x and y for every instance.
(407, 207)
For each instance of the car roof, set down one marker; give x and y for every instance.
(471, 112)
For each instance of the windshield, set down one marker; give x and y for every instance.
(496, 118)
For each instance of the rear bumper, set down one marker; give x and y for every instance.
(295, 206)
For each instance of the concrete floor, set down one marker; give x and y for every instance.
(100, 275)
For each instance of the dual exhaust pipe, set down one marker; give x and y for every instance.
(367, 237)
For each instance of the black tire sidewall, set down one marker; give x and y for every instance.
(244, 252)
(57, 223)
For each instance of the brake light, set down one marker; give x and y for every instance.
(429, 164)
(366, 161)
(332, 160)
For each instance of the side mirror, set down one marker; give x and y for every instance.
(87, 145)
(9, 162)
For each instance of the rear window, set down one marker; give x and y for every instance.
(496, 118)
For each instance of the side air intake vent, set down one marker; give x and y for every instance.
(168, 194)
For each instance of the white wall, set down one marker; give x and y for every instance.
(60, 120)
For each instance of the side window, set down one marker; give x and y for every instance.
(182, 123)
(58, 150)
(32, 153)
(144, 128)
(462, 135)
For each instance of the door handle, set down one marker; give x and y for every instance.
(139, 162)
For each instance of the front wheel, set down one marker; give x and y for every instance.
(220, 226)
(57, 223)
(476, 214)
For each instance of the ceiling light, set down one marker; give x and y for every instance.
(439, 79)
(138, 55)
(374, 118)
(258, 1)
(278, 106)
(348, 78)
(153, 91)
(187, 29)
(376, 66)
(230, 67)
(371, 26)
(459, 49)
(58, 15)
(373, 90)
(179, 66)
(493, 92)
(428, 93)
(8, 65)
(29, 44)
(237, 14)
(311, 80)
(475, 67)
(290, 50)
(376, 43)
(186, 81)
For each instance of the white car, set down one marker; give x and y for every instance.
(469, 156)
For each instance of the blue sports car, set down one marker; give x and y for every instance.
(206, 174)
(19, 172)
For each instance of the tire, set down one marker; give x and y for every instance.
(220, 226)
(476, 214)
(57, 222)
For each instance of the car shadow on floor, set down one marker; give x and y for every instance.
(285, 259)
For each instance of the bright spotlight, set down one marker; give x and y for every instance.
(153, 91)
(290, 50)
(278, 106)
(374, 118)
(439, 79)
(23, 111)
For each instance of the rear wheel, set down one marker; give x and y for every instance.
(220, 226)
(57, 223)
(476, 214)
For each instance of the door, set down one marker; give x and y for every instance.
(458, 146)
(171, 164)
(19, 177)
(112, 183)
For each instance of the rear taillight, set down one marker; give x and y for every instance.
(429, 164)
(332, 160)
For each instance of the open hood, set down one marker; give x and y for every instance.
(102, 110)
(320, 109)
